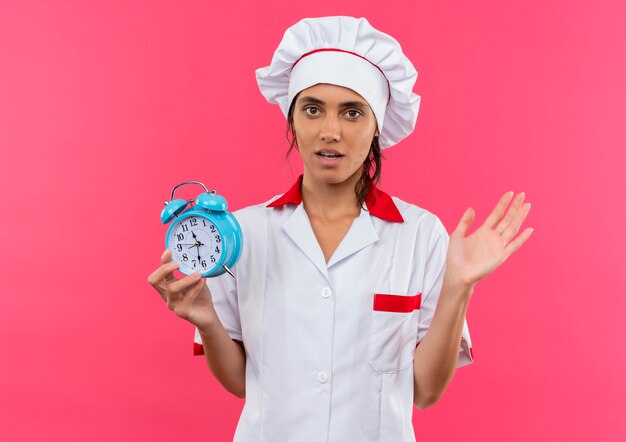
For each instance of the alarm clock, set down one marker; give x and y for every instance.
(205, 237)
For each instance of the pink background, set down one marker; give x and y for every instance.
(105, 106)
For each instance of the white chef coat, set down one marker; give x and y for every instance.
(329, 346)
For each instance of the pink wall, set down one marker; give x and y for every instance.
(103, 107)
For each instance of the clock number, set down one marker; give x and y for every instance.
(212, 227)
(185, 228)
(193, 262)
(180, 236)
(203, 263)
(193, 222)
(212, 258)
(217, 238)
(203, 223)
(217, 249)
(185, 257)
(179, 247)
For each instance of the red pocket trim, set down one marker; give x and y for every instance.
(396, 303)
(198, 349)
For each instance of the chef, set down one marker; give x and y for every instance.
(348, 305)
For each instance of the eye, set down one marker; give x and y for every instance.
(354, 114)
(308, 108)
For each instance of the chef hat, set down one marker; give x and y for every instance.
(349, 52)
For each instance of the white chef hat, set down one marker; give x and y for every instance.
(349, 52)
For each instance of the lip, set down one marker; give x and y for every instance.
(330, 151)
(328, 161)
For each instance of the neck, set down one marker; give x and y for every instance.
(330, 201)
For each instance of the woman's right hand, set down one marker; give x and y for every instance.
(189, 297)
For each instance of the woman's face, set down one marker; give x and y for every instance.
(334, 129)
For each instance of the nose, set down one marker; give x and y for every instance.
(330, 130)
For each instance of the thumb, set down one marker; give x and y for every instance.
(464, 224)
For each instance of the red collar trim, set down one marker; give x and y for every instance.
(378, 202)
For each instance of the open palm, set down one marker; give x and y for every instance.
(471, 258)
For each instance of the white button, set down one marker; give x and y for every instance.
(326, 292)
(322, 376)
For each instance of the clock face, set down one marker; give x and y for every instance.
(196, 244)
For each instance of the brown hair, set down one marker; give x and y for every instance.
(370, 173)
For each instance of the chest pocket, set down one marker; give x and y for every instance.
(393, 331)
(395, 313)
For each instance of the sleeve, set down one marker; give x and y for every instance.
(224, 294)
(433, 280)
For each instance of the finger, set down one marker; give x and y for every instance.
(192, 294)
(178, 287)
(496, 215)
(517, 242)
(515, 205)
(163, 274)
(512, 229)
(166, 256)
(464, 224)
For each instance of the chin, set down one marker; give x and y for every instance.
(332, 176)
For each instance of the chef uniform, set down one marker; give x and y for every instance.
(330, 346)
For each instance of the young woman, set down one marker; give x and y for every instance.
(348, 305)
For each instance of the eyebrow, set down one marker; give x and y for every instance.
(314, 100)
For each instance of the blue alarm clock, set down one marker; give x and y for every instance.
(205, 237)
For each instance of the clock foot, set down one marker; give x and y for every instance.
(229, 271)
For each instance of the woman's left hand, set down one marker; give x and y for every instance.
(471, 258)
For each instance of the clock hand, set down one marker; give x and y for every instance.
(197, 244)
